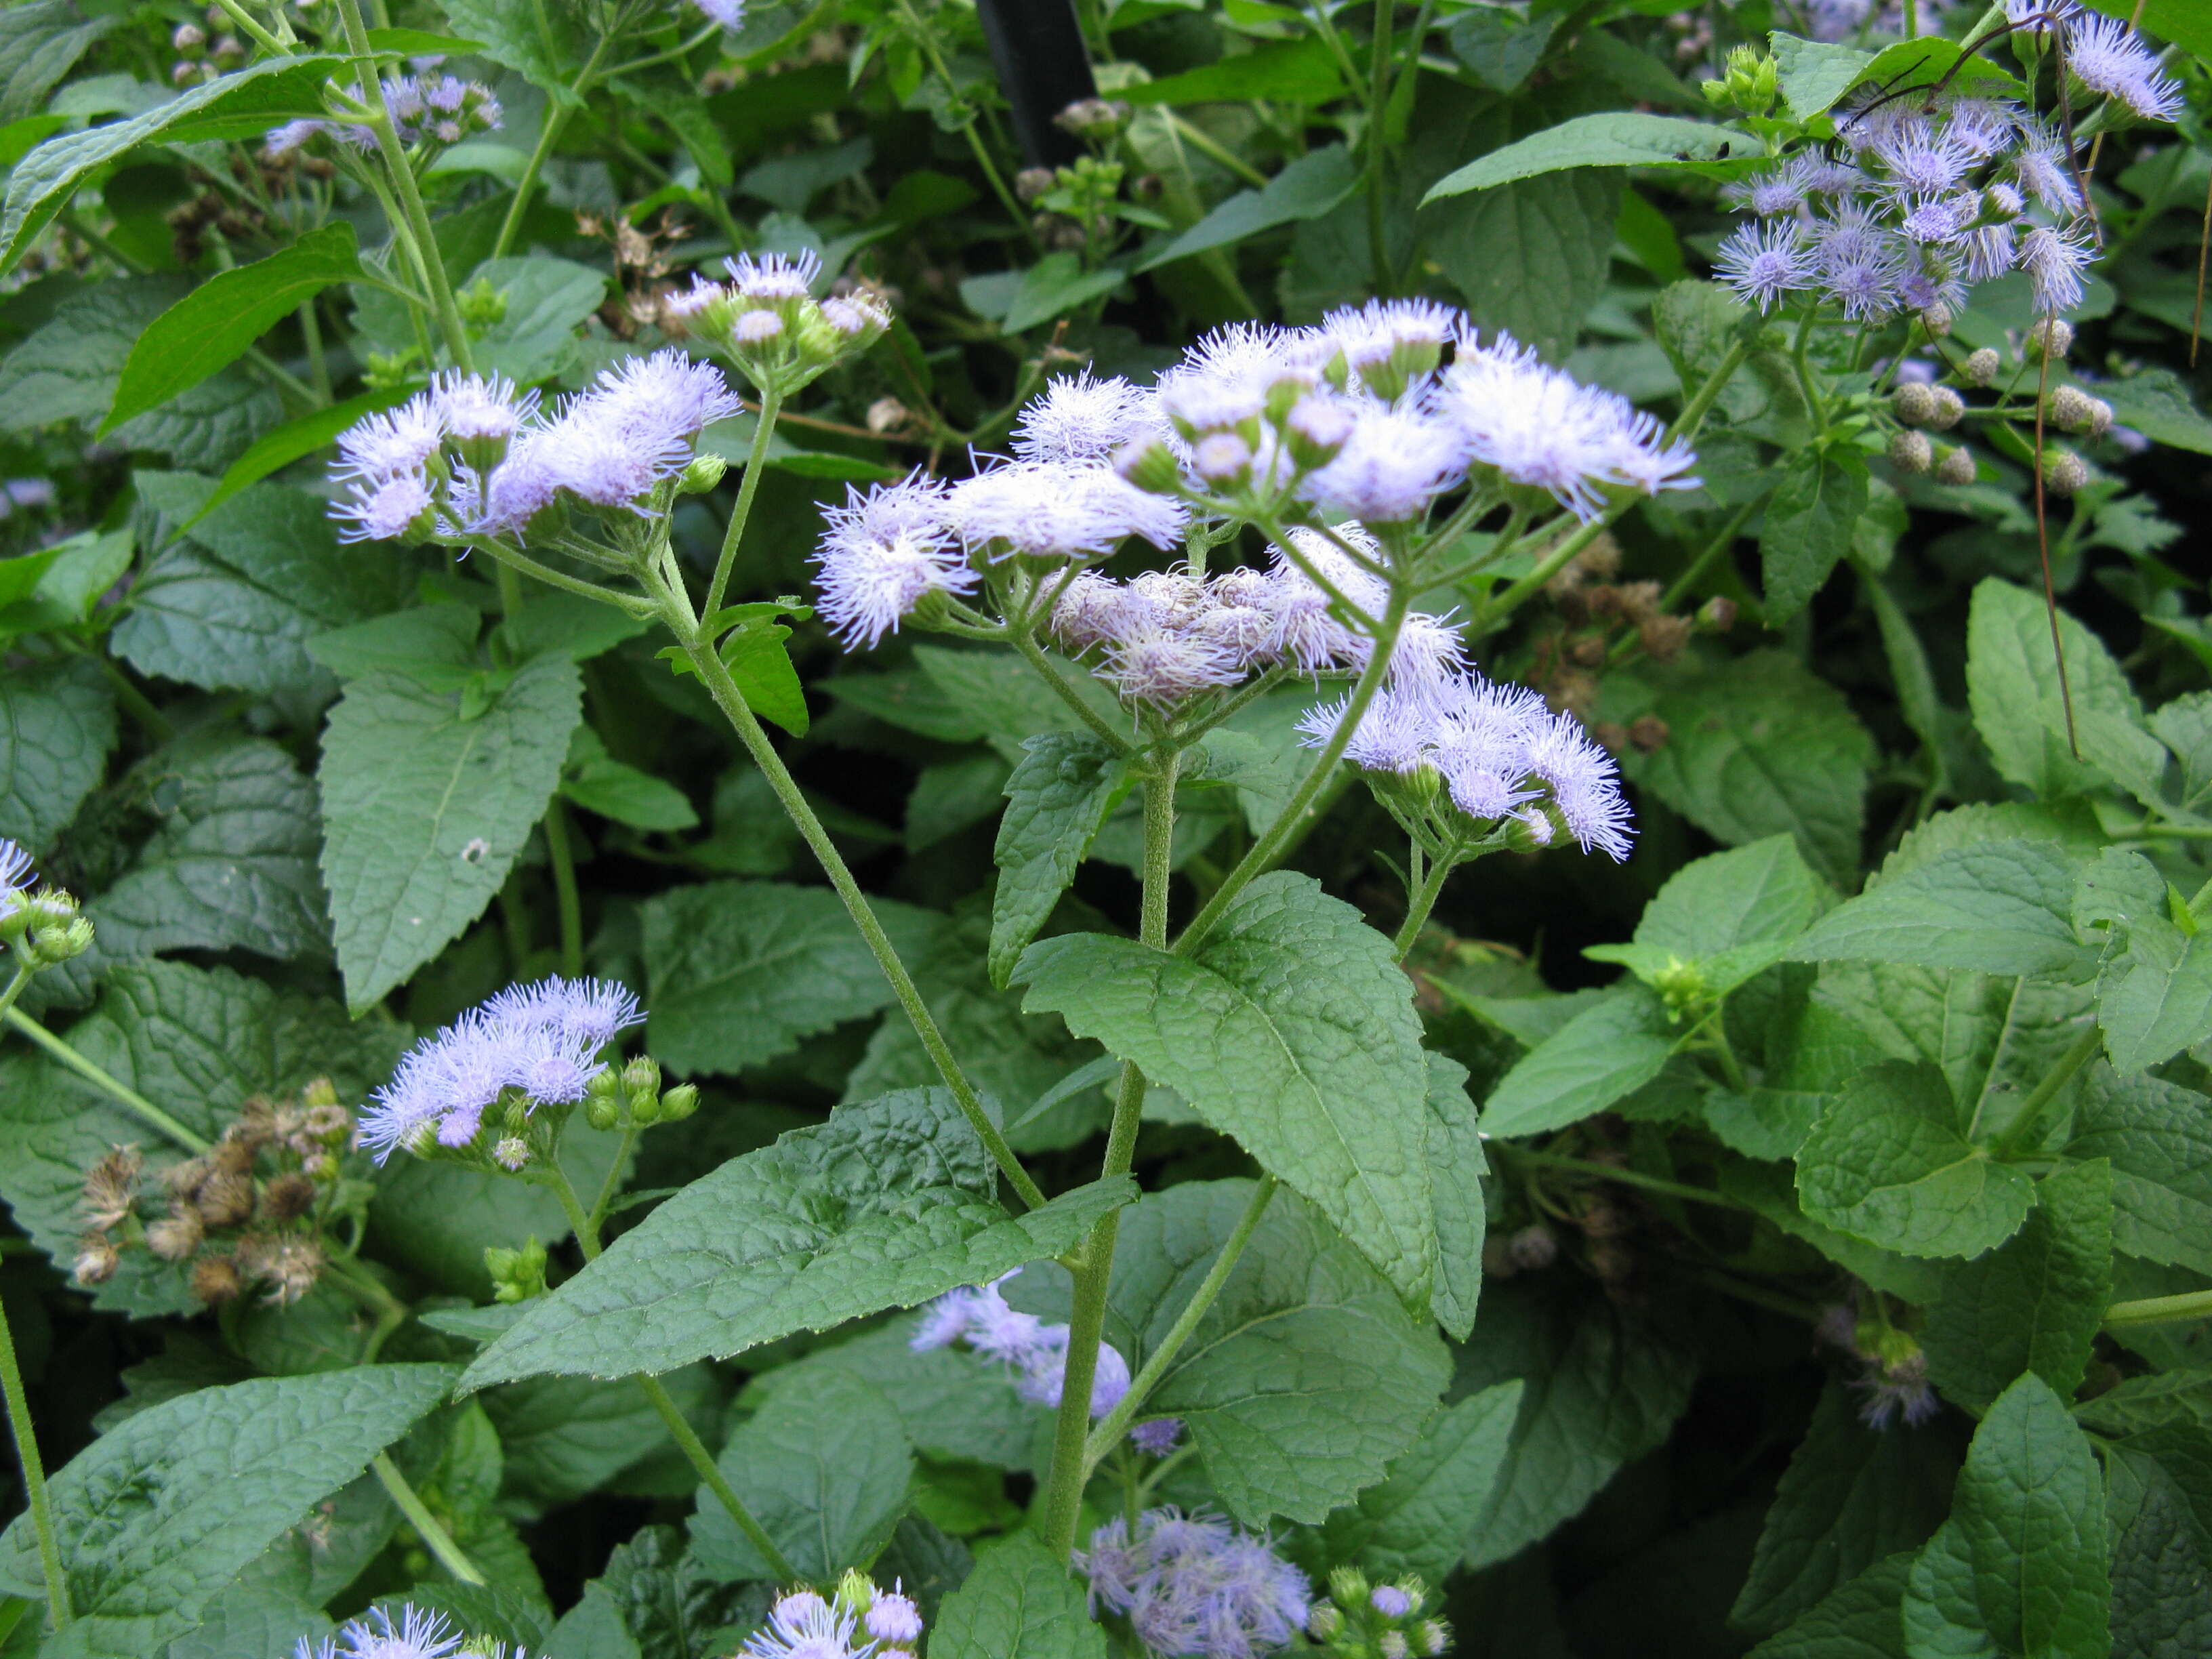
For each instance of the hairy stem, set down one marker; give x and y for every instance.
(1290, 822)
(1421, 901)
(2029, 1123)
(771, 406)
(676, 614)
(34, 1479)
(1116, 1423)
(435, 1538)
(1025, 642)
(122, 1093)
(1071, 1460)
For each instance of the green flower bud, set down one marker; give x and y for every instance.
(643, 1073)
(704, 472)
(679, 1103)
(1982, 365)
(644, 1108)
(481, 303)
(1913, 403)
(600, 1112)
(1948, 411)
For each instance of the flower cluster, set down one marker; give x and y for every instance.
(1928, 196)
(527, 1047)
(41, 929)
(860, 1621)
(283, 143)
(469, 456)
(1833, 20)
(1894, 1377)
(416, 1635)
(1034, 1352)
(1360, 1620)
(441, 110)
(768, 322)
(1194, 1585)
(1499, 752)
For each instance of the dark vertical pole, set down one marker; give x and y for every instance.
(1037, 45)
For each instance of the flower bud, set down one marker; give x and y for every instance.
(516, 1275)
(1718, 615)
(2067, 407)
(679, 1103)
(703, 473)
(227, 49)
(1435, 1638)
(1393, 1645)
(481, 303)
(1936, 319)
(511, 1153)
(2063, 471)
(605, 1084)
(1098, 119)
(1031, 182)
(1348, 1585)
(644, 1108)
(1910, 450)
(642, 1072)
(1982, 365)
(1913, 403)
(1151, 467)
(2052, 337)
(1324, 1621)
(1949, 408)
(601, 1112)
(1531, 829)
(1954, 466)
(188, 37)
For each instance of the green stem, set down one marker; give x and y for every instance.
(125, 1095)
(1627, 1177)
(548, 134)
(2028, 1125)
(319, 369)
(1052, 676)
(16, 984)
(612, 1184)
(1712, 551)
(362, 1285)
(509, 560)
(1422, 901)
(1116, 1423)
(2159, 1310)
(410, 198)
(34, 1473)
(1071, 1459)
(676, 614)
(756, 464)
(435, 1538)
(557, 854)
(1378, 238)
(1289, 821)
(249, 26)
(1208, 146)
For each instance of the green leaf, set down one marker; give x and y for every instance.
(1999, 907)
(424, 811)
(2036, 1302)
(955, 1410)
(1697, 325)
(1886, 1163)
(232, 865)
(1301, 71)
(418, 43)
(1814, 74)
(232, 607)
(1020, 1603)
(2154, 985)
(161, 1512)
(1292, 1030)
(823, 1469)
(2011, 683)
(541, 46)
(547, 299)
(1057, 798)
(1858, 1621)
(302, 435)
(2021, 1562)
(1302, 1381)
(986, 693)
(1616, 138)
(68, 370)
(1601, 1055)
(1456, 1167)
(1530, 257)
(1416, 1519)
(2161, 1560)
(2158, 1138)
(56, 726)
(195, 1042)
(434, 646)
(1306, 189)
(38, 42)
(1058, 283)
(253, 1621)
(1816, 505)
(1852, 1495)
(598, 782)
(1761, 746)
(2156, 403)
(887, 1205)
(213, 326)
(738, 971)
(2152, 1401)
(243, 104)
(1730, 915)
(1769, 1191)
(1600, 1390)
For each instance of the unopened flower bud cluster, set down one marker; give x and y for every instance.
(250, 1211)
(41, 929)
(858, 1620)
(1365, 1621)
(766, 321)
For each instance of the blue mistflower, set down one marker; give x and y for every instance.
(14, 870)
(1763, 262)
(1194, 1586)
(417, 1634)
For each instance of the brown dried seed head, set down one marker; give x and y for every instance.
(225, 1200)
(182, 1179)
(215, 1279)
(1611, 734)
(288, 1196)
(1649, 733)
(97, 1260)
(1664, 637)
(176, 1236)
(110, 1185)
(1639, 600)
(1601, 558)
(1587, 652)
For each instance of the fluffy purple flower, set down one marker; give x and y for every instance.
(417, 1634)
(2054, 261)
(2046, 173)
(1158, 1438)
(1390, 1601)
(1585, 785)
(591, 1012)
(802, 1626)
(893, 1616)
(15, 874)
(1896, 1391)
(1762, 262)
(473, 406)
(1165, 668)
(1082, 421)
(1394, 462)
(1057, 512)
(773, 276)
(1194, 1586)
(730, 14)
(2106, 55)
(382, 511)
(392, 441)
(882, 555)
(663, 393)
(1035, 1352)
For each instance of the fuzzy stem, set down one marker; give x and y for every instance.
(1071, 1459)
(1116, 1423)
(1421, 901)
(1290, 821)
(676, 614)
(764, 430)
(439, 1541)
(2159, 1310)
(1025, 642)
(2027, 1124)
(16, 984)
(122, 1093)
(34, 1473)
(562, 859)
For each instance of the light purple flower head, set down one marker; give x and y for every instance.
(382, 511)
(592, 1011)
(774, 276)
(15, 873)
(1394, 462)
(882, 554)
(2106, 55)
(2044, 172)
(477, 407)
(1192, 1585)
(1080, 421)
(2055, 261)
(1762, 262)
(417, 1634)
(1165, 668)
(1585, 785)
(893, 1616)
(803, 1626)
(392, 441)
(1390, 1601)
(730, 14)
(1051, 512)
(1158, 1438)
